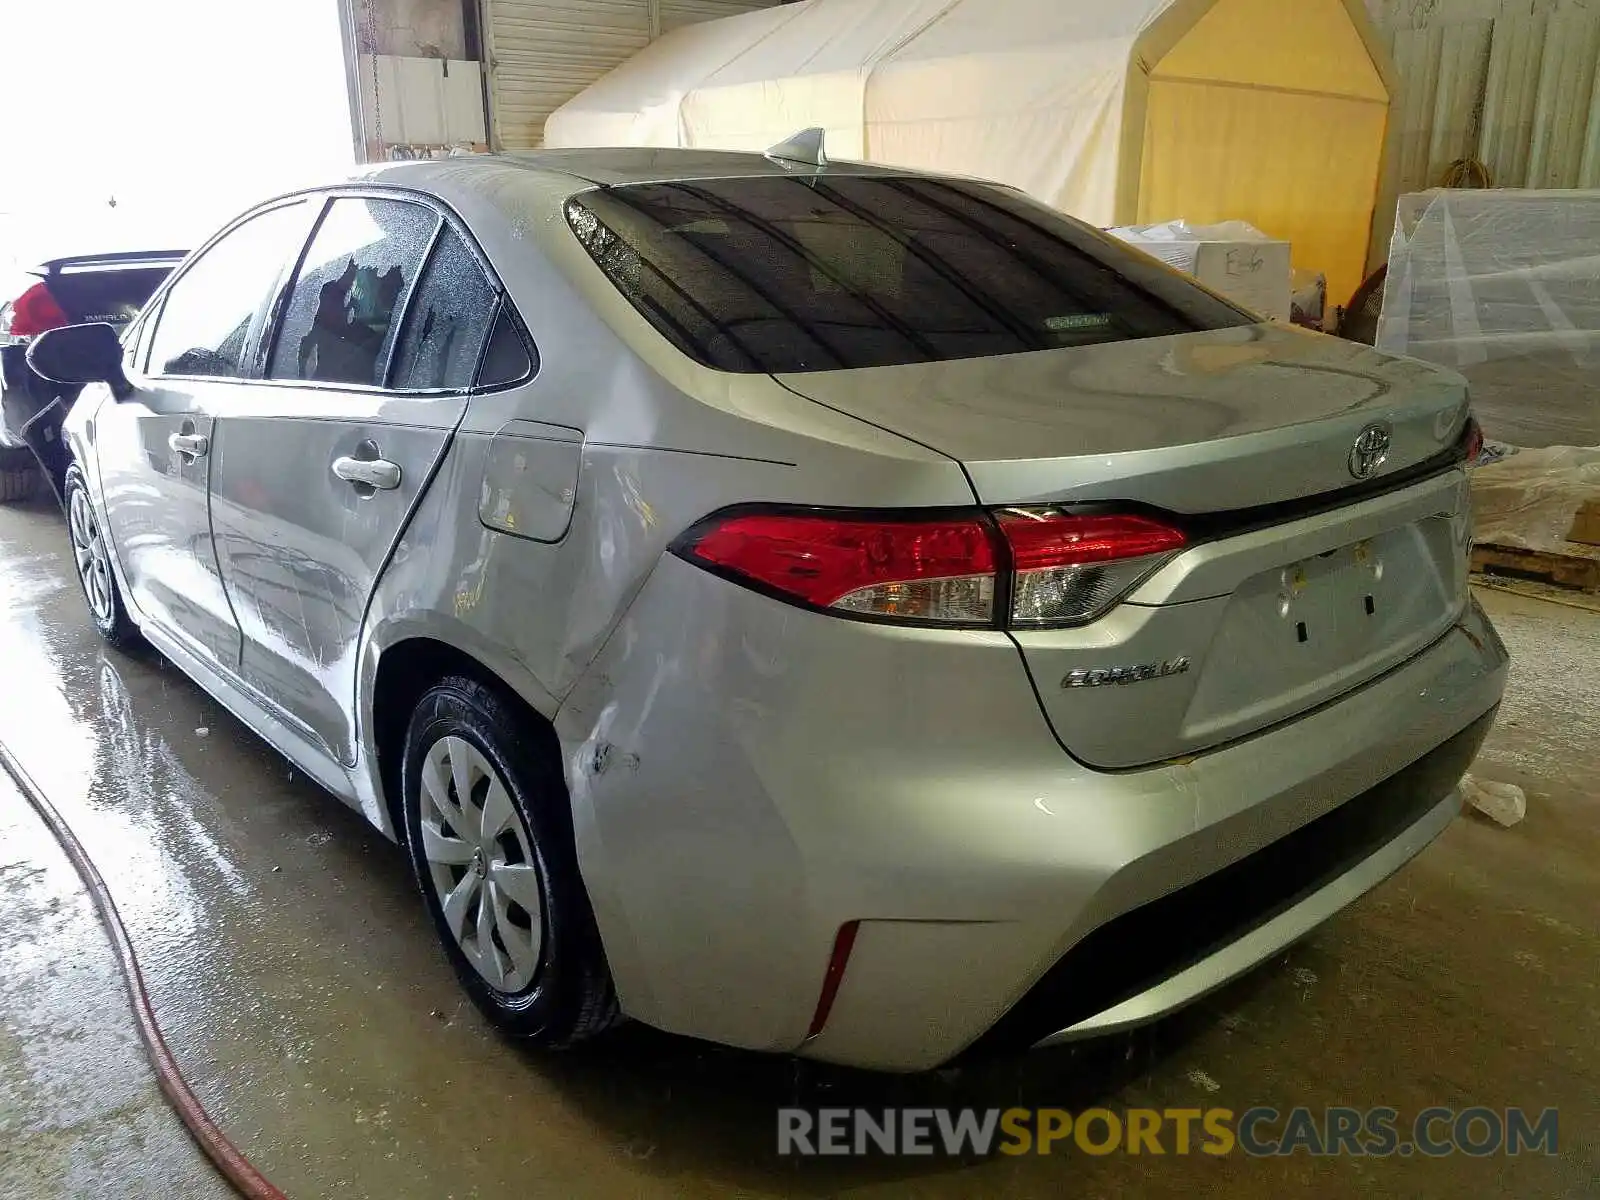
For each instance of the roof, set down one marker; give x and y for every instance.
(609, 166)
(524, 191)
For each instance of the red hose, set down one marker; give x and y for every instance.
(235, 1167)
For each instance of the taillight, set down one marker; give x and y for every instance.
(1071, 567)
(1057, 568)
(940, 570)
(1472, 441)
(36, 311)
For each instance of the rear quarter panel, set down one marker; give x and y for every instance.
(658, 443)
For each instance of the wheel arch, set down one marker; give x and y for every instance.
(405, 669)
(83, 461)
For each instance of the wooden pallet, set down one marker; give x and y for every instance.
(1578, 567)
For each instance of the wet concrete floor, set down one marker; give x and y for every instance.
(300, 988)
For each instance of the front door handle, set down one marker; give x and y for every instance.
(377, 473)
(193, 445)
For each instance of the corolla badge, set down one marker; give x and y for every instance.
(1371, 450)
(1100, 676)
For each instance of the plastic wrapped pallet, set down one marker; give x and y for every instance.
(1504, 286)
(1534, 499)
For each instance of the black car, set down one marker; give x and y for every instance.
(63, 291)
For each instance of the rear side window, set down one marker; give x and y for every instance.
(214, 313)
(804, 274)
(508, 359)
(449, 321)
(339, 324)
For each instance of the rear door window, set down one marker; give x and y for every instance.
(784, 274)
(339, 325)
(448, 322)
(212, 316)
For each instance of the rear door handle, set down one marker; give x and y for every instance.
(377, 473)
(194, 445)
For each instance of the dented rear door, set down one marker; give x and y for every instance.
(317, 468)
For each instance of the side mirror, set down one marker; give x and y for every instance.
(78, 354)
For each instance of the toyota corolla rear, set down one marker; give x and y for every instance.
(1185, 663)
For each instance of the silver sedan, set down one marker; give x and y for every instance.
(815, 607)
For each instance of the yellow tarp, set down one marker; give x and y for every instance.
(1292, 89)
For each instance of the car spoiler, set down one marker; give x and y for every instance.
(129, 259)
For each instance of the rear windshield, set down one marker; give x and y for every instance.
(782, 274)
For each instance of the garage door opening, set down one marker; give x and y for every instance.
(146, 126)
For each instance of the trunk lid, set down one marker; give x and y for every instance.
(110, 288)
(1256, 627)
(1280, 602)
(1196, 423)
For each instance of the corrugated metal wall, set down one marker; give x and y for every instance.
(689, 12)
(543, 52)
(1512, 83)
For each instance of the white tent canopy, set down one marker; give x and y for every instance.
(1117, 111)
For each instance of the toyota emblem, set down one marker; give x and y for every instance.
(1371, 450)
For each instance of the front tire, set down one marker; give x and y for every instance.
(488, 827)
(96, 575)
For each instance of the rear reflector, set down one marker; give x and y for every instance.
(1059, 568)
(35, 312)
(833, 976)
(940, 571)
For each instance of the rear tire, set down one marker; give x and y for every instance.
(96, 575)
(19, 474)
(488, 829)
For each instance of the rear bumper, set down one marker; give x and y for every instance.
(15, 396)
(1170, 952)
(24, 395)
(14, 369)
(767, 775)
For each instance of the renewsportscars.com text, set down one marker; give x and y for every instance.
(1259, 1131)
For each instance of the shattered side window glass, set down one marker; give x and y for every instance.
(447, 323)
(339, 324)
